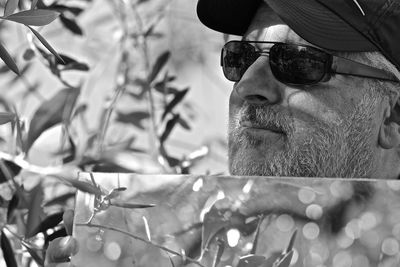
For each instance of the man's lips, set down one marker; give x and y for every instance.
(271, 128)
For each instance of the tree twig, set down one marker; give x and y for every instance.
(91, 225)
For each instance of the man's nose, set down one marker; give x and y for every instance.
(258, 85)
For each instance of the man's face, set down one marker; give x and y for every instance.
(325, 130)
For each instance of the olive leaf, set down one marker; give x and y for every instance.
(36, 213)
(71, 25)
(158, 65)
(35, 17)
(5, 56)
(52, 112)
(175, 101)
(48, 223)
(8, 252)
(45, 43)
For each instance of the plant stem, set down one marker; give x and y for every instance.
(154, 142)
(91, 225)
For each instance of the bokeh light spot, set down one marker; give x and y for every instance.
(233, 236)
(306, 195)
(390, 246)
(112, 251)
(198, 185)
(368, 221)
(342, 259)
(344, 241)
(352, 229)
(314, 211)
(311, 230)
(285, 223)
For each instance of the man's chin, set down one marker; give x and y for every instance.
(252, 162)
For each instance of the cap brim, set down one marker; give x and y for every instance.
(227, 16)
(318, 25)
(310, 19)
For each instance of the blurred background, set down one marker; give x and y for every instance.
(102, 86)
(99, 34)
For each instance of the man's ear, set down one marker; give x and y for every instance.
(389, 133)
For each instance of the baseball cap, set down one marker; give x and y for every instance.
(338, 25)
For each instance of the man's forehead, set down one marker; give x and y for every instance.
(267, 26)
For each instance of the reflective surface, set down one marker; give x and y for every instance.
(339, 223)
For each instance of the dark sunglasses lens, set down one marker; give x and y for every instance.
(237, 57)
(296, 64)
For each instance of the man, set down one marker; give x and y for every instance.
(316, 88)
(283, 125)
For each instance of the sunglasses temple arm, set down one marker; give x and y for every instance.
(346, 66)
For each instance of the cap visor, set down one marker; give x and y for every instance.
(318, 25)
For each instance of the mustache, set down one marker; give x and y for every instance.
(267, 117)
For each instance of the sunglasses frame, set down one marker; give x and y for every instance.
(337, 65)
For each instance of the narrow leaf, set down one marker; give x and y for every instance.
(285, 262)
(10, 7)
(158, 65)
(169, 127)
(163, 89)
(291, 242)
(59, 233)
(84, 186)
(220, 251)
(184, 124)
(35, 17)
(256, 235)
(48, 223)
(6, 117)
(52, 112)
(35, 256)
(76, 66)
(122, 204)
(114, 193)
(66, 59)
(71, 25)
(12, 206)
(71, 152)
(35, 210)
(8, 253)
(46, 44)
(175, 101)
(136, 118)
(5, 56)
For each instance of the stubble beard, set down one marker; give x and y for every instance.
(327, 150)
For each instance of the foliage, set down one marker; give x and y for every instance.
(34, 209)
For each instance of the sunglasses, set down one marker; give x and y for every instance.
(294, 64)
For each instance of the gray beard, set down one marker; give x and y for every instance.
(328, 150)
